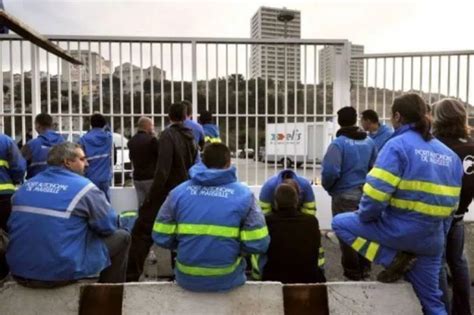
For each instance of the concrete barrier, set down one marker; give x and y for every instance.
(169, 299)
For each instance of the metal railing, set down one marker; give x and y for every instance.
(433, 75)
(127, 77)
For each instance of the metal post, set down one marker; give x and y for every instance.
(342, 84)
(35, 82)
(194, 78)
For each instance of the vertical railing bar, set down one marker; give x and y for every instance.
(111, 96)
(227, 95)
(358, 85)
(162, 90)
(394, 71)
(79, 83)
(403, 75)
(275, 87)
(430, 72)
(458, 75)
(367, 83)
(152, 84)
(256, 80)
(182, 73)
(69, 85)
(375, 83)
(295, 106)
(90, 80)
(247, 113)
(412, 66)
(132, 92)
(449, 77)
(266, 110)
(48, 84)
(421, 76)
(101, 99)
(217, 86)
(315, 103)
(142, 96)
(207, 77)
(12, 93)
(22, 90)
(305, 107)
(236, 104)
(122, 122)
(285, 104)
(439, 76)
(384, 93)
(172, 78)
(468, 65)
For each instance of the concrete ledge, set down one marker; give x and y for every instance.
(253, 298)
(168, 298)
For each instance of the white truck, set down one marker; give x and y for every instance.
(297, 142)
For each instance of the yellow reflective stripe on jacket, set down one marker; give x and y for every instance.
(164, 228)
(421, 207)
(207, 271)
(128, 214)
(7, 186)
(253, 235)
(265, 206)
(375, 194)
(212, 139)
(4, 163)
(385, 176)
(415, 185)
(207, 229)
(309, 208)
(197, 229)
(371, 251)
(430, 188)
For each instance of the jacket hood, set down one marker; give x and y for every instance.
(98, 137)
(186, 132)
(50, 138)
(353, 132)
(204, 176)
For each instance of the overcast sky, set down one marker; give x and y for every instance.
(382, 26)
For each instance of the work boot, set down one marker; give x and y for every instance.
(400, 265)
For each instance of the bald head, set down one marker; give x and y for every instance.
(145, 124)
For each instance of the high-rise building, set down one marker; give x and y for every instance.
(132, 76)
(327, 64)
(270, 59)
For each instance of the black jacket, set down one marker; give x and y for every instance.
(464, 148)
(143, 154)
(294, 248)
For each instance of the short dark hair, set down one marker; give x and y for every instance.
(216, 155)
(450, 119)
(370, 115)
(347, 116)
(205, 117)
(189, 107)
(286, 196)
(44, 120)
(177, 112)
(98, 121)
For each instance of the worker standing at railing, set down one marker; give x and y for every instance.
(98, 146)
(211, 130)
(36, 150)
(12, 172)
(408, 200)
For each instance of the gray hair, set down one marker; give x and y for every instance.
(142, 122)
(450, 119)
(61, 152)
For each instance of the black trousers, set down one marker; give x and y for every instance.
(356, 267)
(5, 210)
(141, 234)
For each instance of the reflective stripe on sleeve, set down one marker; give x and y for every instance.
(265, 206)
(4, 163)
(421, 207)
(375, 194)
(253, 235)
(207, 271)
(7, 186)
(385, 176)
(164, 228)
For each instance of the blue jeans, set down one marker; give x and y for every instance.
(457, 264)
